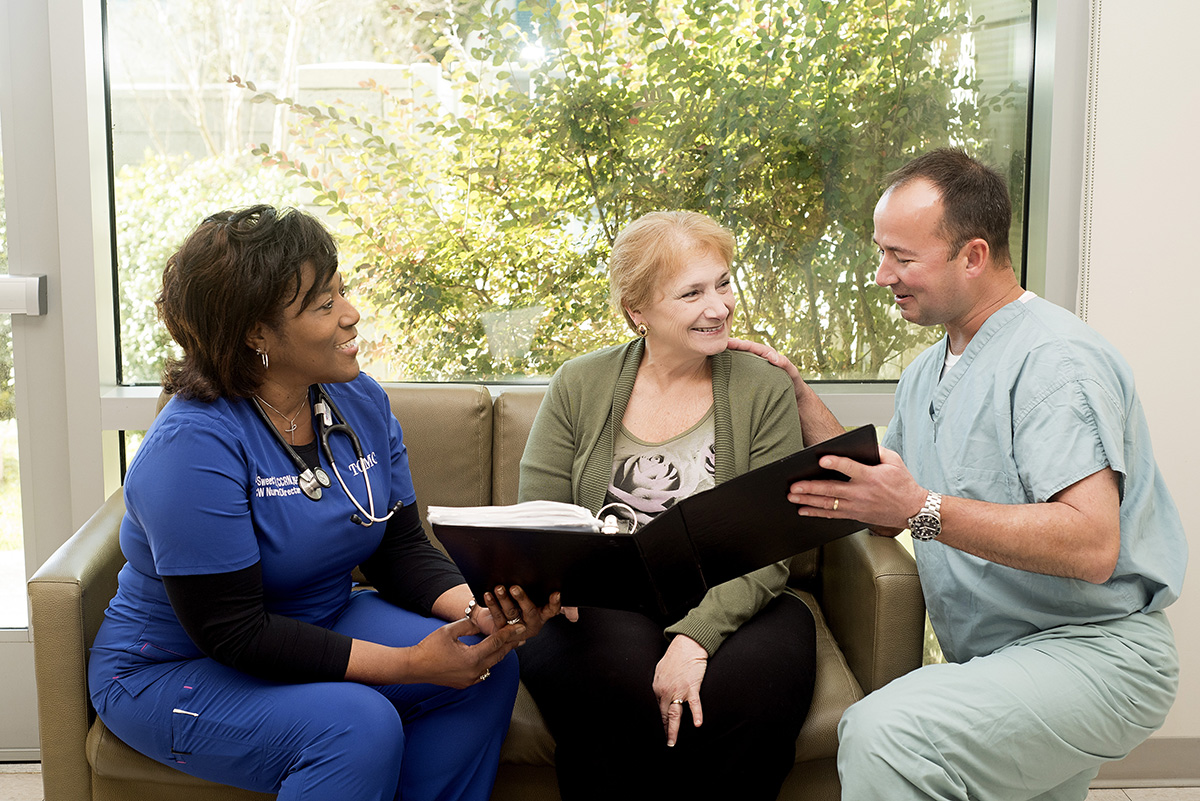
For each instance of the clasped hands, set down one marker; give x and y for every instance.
(509, 618)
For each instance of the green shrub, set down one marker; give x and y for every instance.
(778, 119)
(161, 201)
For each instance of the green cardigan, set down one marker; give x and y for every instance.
(569, 455)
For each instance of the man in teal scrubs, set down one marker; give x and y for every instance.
(1045, 537)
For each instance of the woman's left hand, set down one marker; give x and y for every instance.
(511, 606)
(677, 680)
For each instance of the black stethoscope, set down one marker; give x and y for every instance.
(311, 480)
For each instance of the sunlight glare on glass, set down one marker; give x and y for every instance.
(533, 53)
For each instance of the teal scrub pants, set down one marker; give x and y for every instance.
(1034, 720)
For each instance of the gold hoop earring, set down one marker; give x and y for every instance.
(642, 330)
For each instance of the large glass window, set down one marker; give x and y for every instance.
(13, 610)
(476, 159)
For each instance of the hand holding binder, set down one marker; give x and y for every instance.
(665, 567)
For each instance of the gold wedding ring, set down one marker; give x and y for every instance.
(835, 503)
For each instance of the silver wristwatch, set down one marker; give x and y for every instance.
(926, 524)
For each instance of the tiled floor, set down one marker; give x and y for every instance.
(20, 782)
(1147, 794)
(23, 782)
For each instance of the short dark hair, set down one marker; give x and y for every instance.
(975, 201)
(238, 268)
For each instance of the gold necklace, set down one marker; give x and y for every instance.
(291, 429)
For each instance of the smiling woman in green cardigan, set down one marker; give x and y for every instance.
(711, 702)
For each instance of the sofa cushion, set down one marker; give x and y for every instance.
(835, 690)
(448, 433)
(528, 741)
(119, 772)
(513, 414)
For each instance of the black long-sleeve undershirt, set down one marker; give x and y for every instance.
(225, 616)
(406, 568)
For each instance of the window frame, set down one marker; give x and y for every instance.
(131, 407)
(1052, 221)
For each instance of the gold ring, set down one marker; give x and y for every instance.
(835, 503)
(514, 621)
(677, 701)
(486, 672)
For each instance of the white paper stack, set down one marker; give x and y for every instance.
(531, 514)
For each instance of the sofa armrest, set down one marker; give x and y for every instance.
(69, 594)
(872, 600)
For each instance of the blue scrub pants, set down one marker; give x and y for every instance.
(324, 740)
(1034, 720)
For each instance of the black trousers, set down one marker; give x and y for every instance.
(592, 682)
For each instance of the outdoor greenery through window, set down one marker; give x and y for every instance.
(476, 159)
(13, 610)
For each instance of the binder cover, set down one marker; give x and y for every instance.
(666, 566)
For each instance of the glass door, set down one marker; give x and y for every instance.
(14, 612)
(18, 712)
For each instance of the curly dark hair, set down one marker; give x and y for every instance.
(975, 201)
(238, 268)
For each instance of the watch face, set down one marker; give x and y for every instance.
(925, 526)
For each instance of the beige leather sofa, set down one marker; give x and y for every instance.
(465, 448)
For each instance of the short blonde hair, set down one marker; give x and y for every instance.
(653, 249)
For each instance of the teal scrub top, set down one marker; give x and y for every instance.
(1037, 402)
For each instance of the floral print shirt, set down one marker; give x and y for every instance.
(651, 477)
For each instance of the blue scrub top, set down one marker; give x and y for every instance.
(1037, 402)
(211, 490)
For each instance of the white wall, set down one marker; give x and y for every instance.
(1138, 279)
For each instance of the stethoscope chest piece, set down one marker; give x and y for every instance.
(312, 481)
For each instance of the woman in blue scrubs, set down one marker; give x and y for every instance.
(234, 649)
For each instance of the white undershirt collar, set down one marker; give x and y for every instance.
(952, 358)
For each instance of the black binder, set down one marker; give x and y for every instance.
(666, 566)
